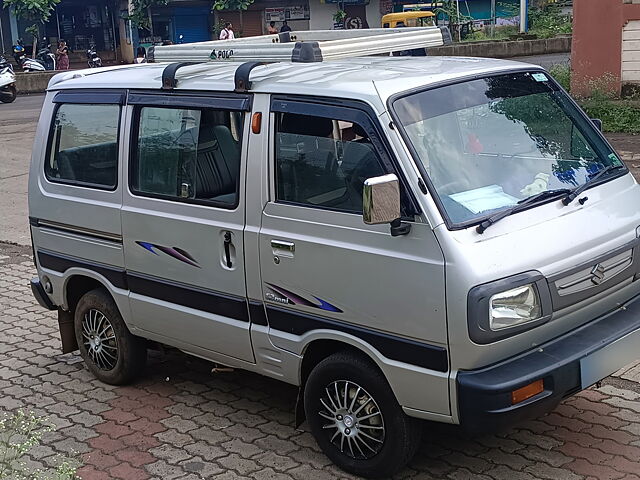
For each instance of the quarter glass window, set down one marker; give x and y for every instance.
(84, 147)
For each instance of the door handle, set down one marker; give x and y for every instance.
(227, 248)
(283, 246)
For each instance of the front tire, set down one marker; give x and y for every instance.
(10, 95)
(109, 350)
(356, 419)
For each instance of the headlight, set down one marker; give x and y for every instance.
(514, 307)
(507, 307)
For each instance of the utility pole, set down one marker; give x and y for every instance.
(493, 17)
(524, 16)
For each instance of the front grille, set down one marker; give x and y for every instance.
(589, 279)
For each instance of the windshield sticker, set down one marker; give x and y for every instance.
(614, 159)
(540, 77)
(484, 199)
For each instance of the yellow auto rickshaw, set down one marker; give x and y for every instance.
(414, 18)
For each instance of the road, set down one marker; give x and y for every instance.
(546, 61)
(17, 130)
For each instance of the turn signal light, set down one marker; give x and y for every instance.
(528, 391)
(256, 122)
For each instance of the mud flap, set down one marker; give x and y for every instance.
(67, 331)
(300, 413)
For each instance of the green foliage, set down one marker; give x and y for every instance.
(139, 15)
(339, 16)
(548, 21)
(562, 74)
(19, 433)
(37, 11)
(617, 115)
(232, 4)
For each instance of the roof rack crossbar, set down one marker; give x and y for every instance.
(169, 81)
(241, 77)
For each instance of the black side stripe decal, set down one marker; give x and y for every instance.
(395, 348)
(61, 263)
(188, 296)
(282, 319)
(257, 313)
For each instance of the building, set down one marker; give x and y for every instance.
(609, 60)
(83, 24)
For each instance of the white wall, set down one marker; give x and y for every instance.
(631, 52)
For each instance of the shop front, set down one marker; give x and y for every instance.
(83, 25)
(180, 22)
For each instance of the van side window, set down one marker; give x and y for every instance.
(190, 155)
(84, 145)
(321, 162)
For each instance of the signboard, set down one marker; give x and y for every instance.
(280, 14)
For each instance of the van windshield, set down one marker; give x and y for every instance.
(489, 143)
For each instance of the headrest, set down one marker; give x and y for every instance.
(306, 125)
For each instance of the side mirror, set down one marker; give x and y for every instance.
(381, 203)
(598, 123)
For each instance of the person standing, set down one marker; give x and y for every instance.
(285, 27)
(271, 29)
(63, 55)
(227, 32)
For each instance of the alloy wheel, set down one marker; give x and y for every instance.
(99, 339)
(355, 422)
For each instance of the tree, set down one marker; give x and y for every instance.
(36, 11)
(239, 5)
(140, 14)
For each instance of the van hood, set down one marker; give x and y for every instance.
(565, 244)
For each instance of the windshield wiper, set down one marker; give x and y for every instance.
(519, 206)
(571, 196)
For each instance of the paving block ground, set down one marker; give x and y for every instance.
(182, 421)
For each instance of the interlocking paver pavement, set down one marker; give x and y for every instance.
(182, 422)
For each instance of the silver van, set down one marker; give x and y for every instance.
(446, 239)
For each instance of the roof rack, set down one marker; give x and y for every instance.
(304, 46)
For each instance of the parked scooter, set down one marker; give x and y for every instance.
(8, 91)
(45, 59)
(19, 54)
(93, 60)
(46, 56)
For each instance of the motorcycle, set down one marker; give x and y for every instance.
(8, 91)
(93, 60)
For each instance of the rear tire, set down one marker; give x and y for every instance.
(9, 96)
(109, 350)
(356, 419)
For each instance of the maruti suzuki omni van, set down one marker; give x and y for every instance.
(446, 239)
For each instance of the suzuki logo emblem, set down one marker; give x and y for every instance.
(597, 274)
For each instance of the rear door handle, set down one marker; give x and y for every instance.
(227, 249)
(283, 246)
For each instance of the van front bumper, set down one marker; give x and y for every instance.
(566, 365)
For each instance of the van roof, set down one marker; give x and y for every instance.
(362, 77)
